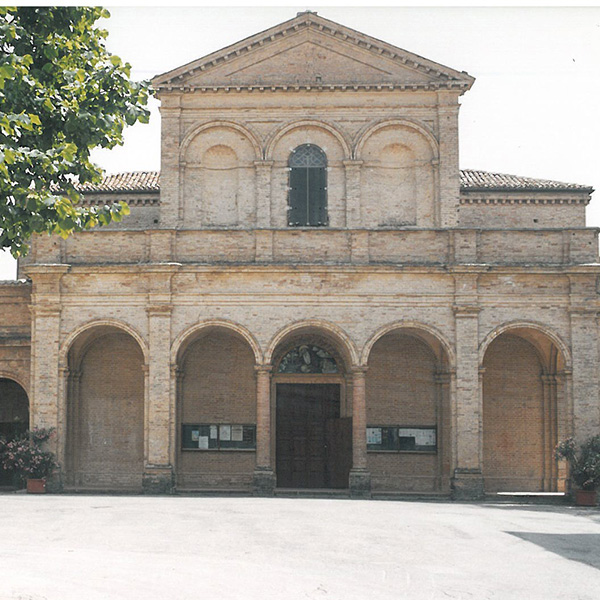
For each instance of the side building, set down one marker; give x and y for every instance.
(312, 295)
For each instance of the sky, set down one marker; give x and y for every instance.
(532, 111)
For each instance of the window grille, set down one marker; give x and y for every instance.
(307, 187)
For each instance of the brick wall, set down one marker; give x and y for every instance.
(401, 390)
(512, 416)
(107, 428)
(218, 386)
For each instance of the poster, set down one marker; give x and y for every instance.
(237, 433)
(225, 433)
(203, 442)
(373, 435)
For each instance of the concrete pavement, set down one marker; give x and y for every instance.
(147, 548)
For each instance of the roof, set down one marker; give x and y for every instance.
(265, 45)
(138, 181)
(470, 180)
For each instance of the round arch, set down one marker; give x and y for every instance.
(517, 325)
(371, 129)
(195, 131)
(426, 332)
(12, 377)
(346, 346)
(187, 336)
(89, 327)
(274, 139)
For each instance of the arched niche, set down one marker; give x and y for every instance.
(398, 172)
(14, 418)
(408, 394)
(218, 178)
(525, 411)
(105, 410)
(216, 387)
(336, 150)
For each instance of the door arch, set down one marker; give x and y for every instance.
(313, 423)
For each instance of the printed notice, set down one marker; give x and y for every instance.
(213, 432)
(237, 433)
(225, 433)
(373, 435)
(203, 442)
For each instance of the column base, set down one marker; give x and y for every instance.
(263, 483)
(360, 483)
(158, 480)
(467, 484)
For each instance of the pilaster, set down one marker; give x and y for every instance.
(467, 482)
(263, 192)
(360, 477)
(353, 169)
(264, 476)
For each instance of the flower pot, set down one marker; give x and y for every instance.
(36, 486)
(586, 497)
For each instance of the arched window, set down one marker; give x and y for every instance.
(308, 187)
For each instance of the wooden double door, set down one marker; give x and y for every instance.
(314, 444)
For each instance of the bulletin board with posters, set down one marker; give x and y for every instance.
(400, 438)
(218, 436)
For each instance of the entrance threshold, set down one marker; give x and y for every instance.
(527, 497)
(311, 493)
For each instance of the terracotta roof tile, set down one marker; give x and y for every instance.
(484, 180)
(470, 180)
(138, 181)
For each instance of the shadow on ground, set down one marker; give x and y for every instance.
(582, 547)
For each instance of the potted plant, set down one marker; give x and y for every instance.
(584, 467)
(26, 457)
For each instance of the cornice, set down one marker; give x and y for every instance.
(173, 80)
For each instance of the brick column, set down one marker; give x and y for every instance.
(442, 391)
(564, 421)
(360, 477)
(353, 220)
(467, 482)
(46, 406)
(263, 193)
(264, 477)
(158, 470)
(586, 358)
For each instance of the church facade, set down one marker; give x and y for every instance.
(311, 295)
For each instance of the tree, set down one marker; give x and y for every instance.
(61, 95)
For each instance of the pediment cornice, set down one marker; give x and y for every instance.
(435, 75)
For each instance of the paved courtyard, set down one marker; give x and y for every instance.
(107, 547)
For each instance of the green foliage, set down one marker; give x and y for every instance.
(61, 95)
(584, 465)
(25, 457)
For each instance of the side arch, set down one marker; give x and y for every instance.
(523, 325)
(90, 325)
(415, 326)
(274, 139)
(188, 335)
(195, 131)
(371, 129)
(12, 377)
(338, 335)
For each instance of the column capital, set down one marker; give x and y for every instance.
(263, 164)
(159, 310)
(353, 164)
(466, 310)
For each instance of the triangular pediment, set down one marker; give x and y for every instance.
(312, 51)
